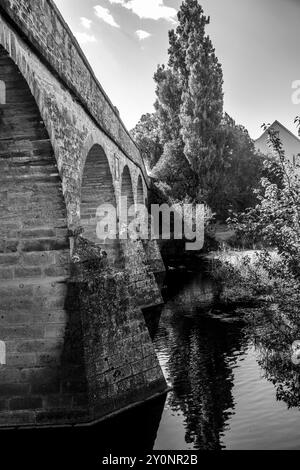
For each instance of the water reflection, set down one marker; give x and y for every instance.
(275, 335)
(235, 385)
(199, 352)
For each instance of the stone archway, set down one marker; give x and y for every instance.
(126, 186)
(97, 192)
(2, 92)
(34, 245)
(2, 353)
(33, 211)
(140, 192)
(127, 199)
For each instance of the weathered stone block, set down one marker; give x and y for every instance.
(27, 403)
(17, 389)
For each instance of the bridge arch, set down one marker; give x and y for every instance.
(2, 353)
(97, 194)
(127, 199)
(2, 92)
(34, 254)
(126, 186)
(52, 108)
(140, 196)
(28, 167)
(28, 72)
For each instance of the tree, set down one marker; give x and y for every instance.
(202, 110)
(241, 172)
(168, 103)
(174, 170)
(191, 19)
(202, 154)
(189, 96)
(147, 137)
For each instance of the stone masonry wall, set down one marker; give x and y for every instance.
(121, 364)
(142, 285)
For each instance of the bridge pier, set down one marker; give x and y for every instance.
(120, 361)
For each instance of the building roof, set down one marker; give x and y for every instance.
(283, 128)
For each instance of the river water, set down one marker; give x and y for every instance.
(226, 392)
(234, 386)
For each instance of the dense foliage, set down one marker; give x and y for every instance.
(275, 219)
(146, 135)
(235, 181)
(272, 274)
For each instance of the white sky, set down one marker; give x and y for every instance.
(257, 42)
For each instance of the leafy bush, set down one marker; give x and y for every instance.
(275, 219)
(241, 277)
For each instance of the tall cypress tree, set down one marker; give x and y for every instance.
(202, 111)
(189, 95)
(191, 18)
(168, 103)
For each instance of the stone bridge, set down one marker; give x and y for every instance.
(74, 343)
